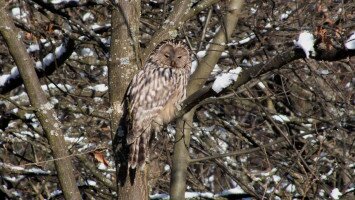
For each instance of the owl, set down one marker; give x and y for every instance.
(154, 96)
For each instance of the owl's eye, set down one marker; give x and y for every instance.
(166, 55)
(179, 57)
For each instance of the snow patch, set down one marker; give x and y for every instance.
(306, 42)
(201, 54)
(285, 15)
(193, 66)
(3, 79)
(335, 194)
(281, 118)
(63, 1)
(99, 88)
(236, 190)
(91, 182)
(33, 48)
(350, 43)
(198, 194)
(13, 74)
(86, 52)
(167, 168)
(225, 79)
(88, 16)
(101, 166)
(49, 59)
(159, 196)
(245, 40)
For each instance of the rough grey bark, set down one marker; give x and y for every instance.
(169, 29)
(124, 63)
(43, 109)
(197, 80)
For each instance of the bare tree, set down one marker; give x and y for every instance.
(41, 107)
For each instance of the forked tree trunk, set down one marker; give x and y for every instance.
(123, 65)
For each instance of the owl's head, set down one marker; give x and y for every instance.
(172, 54)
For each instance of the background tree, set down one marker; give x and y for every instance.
(264, 118)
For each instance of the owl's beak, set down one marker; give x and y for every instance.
(173, 63)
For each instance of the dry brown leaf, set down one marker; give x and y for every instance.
(99, 156)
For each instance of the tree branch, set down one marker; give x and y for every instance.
(248, 74)
(13, 81)
(168, 30)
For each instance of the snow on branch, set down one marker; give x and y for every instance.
(21, 170)
(350, 43)
(306, 42)
(45, 67)
(63, 1)
(280, 60)
(225, 79)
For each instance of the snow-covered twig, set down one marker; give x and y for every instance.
(48, 65)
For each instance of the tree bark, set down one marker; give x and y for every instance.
(170, 26)
(197, 80)
(181, 156)
(43, 109)
(125, 61)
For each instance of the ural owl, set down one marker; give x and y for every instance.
(153, 96)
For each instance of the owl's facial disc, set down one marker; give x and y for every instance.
(180, 58)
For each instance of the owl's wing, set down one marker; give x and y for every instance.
(149, 92)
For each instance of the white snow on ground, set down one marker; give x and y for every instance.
(306, 42)
(225, 79)
(350, 43)
(335, 194)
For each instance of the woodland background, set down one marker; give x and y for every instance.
(283, 130)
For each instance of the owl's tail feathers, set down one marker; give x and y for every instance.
(138, 153)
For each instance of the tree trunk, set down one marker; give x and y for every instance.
(197, 80)
(125, 61)
(43, 109)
